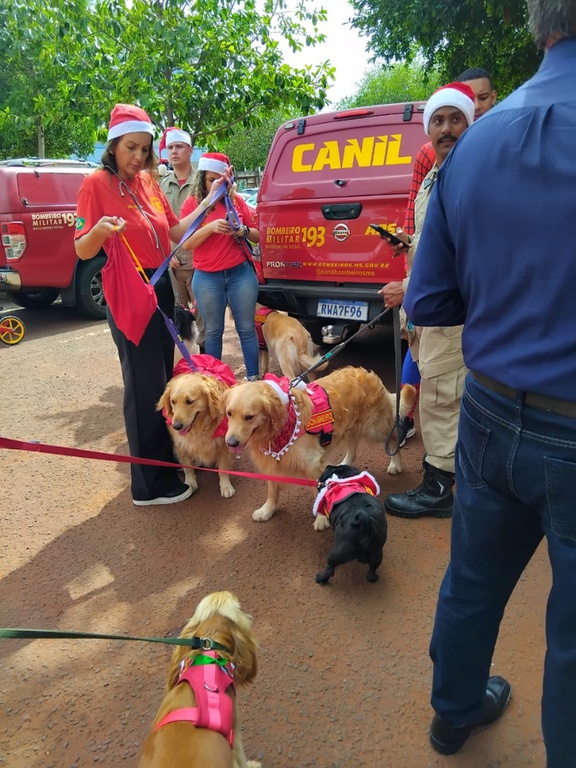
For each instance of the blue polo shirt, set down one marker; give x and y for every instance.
(498, 246)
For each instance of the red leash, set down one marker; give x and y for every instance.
(59, 450)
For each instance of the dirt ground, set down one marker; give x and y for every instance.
(344, 674)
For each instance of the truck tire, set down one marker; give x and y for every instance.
(40, 299)
(90, 301)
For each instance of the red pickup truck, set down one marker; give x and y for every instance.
(38, 262)
(327, 178)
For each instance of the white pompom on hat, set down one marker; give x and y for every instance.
(128, 118)
(458, 95)
(217, 162)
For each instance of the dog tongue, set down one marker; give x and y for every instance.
(184, 430)
(237, 450)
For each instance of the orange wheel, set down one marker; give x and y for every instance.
(12, 329)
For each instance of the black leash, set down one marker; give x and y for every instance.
(336, 350)
(397, 366)
(203, 643)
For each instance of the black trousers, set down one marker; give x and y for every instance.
(146, 369)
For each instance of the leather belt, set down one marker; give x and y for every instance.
(531, 399)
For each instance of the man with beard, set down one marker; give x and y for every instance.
(448, 112)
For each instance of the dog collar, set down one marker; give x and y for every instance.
(291, 429)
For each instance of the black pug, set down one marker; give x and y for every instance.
(348, 498)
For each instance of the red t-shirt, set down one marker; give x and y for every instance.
(219, 252)
(102, 194)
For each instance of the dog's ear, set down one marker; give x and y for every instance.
(274, 411)
(216, 402)
(164, 402)
(245, 647)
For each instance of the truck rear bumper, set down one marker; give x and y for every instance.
(301, 299)
(10, 280)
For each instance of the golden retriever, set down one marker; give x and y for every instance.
(362, 408)
(218, 622)
(288, 341)
(191, 406)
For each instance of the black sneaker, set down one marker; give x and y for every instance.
(406, 429)
(180, 493)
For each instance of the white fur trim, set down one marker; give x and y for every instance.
(130, 126)
(448, 97)
(209, 164)
(176, 135)
(284, 397)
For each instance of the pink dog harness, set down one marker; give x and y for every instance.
(337, 489)
(209, 676)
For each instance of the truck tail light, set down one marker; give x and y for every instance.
(14, 240)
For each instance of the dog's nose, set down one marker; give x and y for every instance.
(177, 425)
(232, 442)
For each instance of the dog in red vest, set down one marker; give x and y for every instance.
(347, 497)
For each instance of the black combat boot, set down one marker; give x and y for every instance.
(432, 498)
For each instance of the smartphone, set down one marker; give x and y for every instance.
(388, 235)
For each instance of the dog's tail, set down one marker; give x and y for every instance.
(184, 322)
(408, 397)
(368, 527)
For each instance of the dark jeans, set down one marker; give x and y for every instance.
(239, 288)
(516, 482)
(146, 369)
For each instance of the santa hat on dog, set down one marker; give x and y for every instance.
(458, 95)
(127, 118)
(217, 162)
(173, 136)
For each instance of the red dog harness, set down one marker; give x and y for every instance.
(209, 366)
(259, 320)
(337, 489)
(209, 676)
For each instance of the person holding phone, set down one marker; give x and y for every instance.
(448, 113)
(223, 269)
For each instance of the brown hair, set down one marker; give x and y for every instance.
(108, 159)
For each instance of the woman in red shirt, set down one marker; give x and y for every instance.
(123, 196)
(223, 272)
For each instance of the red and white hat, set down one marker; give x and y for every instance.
(217, 162)
(458, 95)
(128, 118)
(173, 136)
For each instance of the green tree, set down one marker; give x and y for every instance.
(453, 36)
(248, 149)
(206, 66)
(391, 84)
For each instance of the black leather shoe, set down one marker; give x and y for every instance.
(449, 739)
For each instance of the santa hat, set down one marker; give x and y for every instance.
(171, 136)
(127, 118)
(458, 95)
(217, 162)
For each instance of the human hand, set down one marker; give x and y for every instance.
(221, 227)
(226, 179)
(397, 247)
(108, 225)
(393, 294)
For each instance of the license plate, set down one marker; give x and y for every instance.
(342, 309)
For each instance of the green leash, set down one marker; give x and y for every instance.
(33, 634)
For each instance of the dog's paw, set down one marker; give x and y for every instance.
(321, 522)
(253, 764)
(262, 514)
(227, 491)
(395, 467)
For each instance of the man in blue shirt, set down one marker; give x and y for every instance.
(498, 254)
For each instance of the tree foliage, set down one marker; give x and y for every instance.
(205, 66)
(248, 149)
(391, 84)
(453, 36)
